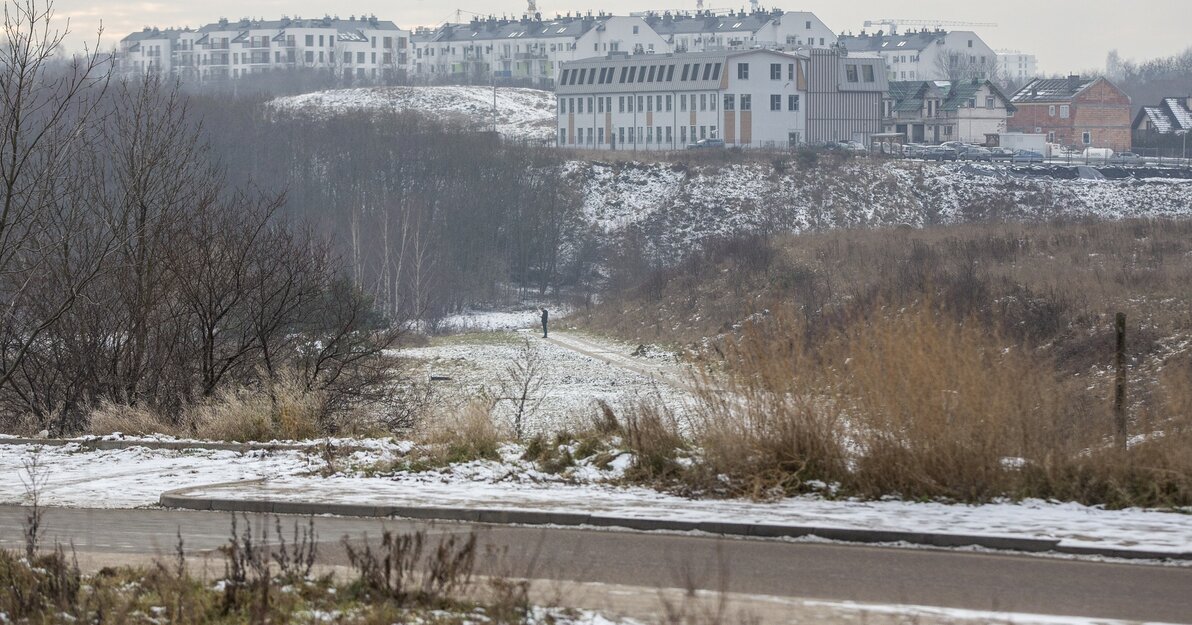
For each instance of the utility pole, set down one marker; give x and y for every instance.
(1119, 396)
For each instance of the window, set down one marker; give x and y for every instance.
(670, 103)
(632, 136)
(695, 71)
(600, 136)
(636, 30)
(1065, 111)
(683, 103)
(1087, 138)
(990, 102)
(658, 103)
(746, 103)
(948, 130)
(632, 74)
(641, 105)
(703, 132)
(649, 104)
(970, 43)
(580, 101)
(790, 71)
(683, 134)
(670, 135)
(703, 101)
(686, 71)
(868, 73)
(653, 71)
(649, 134)
(712, 102)
(730, 102)
(742, 71)
(1051, 137)
(600, 105)
(775, 71)
(1051, 111)
(641, 74)
(562, 136)
(808, 26)
(310, 41)
(851, 73)
(776, 103)
(707, 71)
(670, 74)
(793, 103)
(624, 73)
(621, 134)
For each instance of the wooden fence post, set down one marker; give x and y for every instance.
(1119, 399)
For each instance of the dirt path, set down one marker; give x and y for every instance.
(672, 374)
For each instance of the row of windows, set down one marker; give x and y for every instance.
(665, 103)
(1064, 110)
(850, 71)
(632, 136)
(639, 104)
(639, 74)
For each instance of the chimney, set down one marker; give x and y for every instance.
(1074, 82)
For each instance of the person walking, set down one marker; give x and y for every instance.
(545, 319)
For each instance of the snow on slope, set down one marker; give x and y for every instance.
(677, 206)
(524, 114)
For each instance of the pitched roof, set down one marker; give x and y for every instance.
(1171, 116)
(909, 96)
(708, 23)
(918, 41)
(493, 29)
(342, 25)
(1052, 89)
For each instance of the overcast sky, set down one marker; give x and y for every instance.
(1067, 35)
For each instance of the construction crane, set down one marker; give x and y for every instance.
(894, 23)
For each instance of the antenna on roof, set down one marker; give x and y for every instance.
(531, 7)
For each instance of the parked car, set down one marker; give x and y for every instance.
(1027, 156)
(914, 150)
(1127, 158)
(705, 144)
(976, 153)
(853, 146)
(1001, 154)
(941, 153)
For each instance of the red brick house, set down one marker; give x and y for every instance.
(1074, 111)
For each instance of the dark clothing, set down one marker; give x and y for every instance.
(545, 319)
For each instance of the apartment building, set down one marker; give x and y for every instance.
(747, 98)
(362, 49)
(708, 31)
(528, 50)
(928, 54)
(1017, 67)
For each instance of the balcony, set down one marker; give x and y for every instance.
(530, 56)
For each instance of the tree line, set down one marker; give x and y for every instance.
(135, 270)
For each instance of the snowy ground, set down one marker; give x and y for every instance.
(569, 383)
(678, 206)
(137, 477)
(523, 114)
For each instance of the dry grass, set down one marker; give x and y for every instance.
(469, 433)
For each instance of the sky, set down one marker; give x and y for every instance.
(1067, 35)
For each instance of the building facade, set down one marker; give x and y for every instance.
(1017, 67)
(939, 111)
(1165, 125)
(361, 49)
(711, 31)
(1074, 111)
(526, 51)
(748, 98)
(844, 96)
(929, 54)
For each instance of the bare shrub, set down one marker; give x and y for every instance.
(466, 434)
(403, 571)
(111, 418)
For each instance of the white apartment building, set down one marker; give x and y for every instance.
(1017, 67)
(361, 49)
(709, 31)
(528, 50)
(929, 54)
(748, 98)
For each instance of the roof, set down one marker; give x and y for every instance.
(909, 96)
(155, 33)
(1052, 89)
(1171, 116)
(668, 24)
(714, 65)
(342, 25)
(494, 29)
(918, 41)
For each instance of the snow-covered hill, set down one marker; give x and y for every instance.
(526, 114)
(677, 206)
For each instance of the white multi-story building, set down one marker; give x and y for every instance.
(929, 54)
(528, 50)
(361, 49)
(708, 31)
(1017, 67)
(748, 98)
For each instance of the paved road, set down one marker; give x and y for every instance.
(806, 570)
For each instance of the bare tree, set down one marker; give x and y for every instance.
(46, 114)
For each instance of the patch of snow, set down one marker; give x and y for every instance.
(522, 114)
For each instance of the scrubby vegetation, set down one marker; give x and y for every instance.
(963, 363)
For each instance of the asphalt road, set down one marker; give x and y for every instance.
(954, 579)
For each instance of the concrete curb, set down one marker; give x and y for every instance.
(179, 499)
(113, 445)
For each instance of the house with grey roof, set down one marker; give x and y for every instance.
(939, 111)
(1165, 125)
(928, 54)
(1074, 111)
